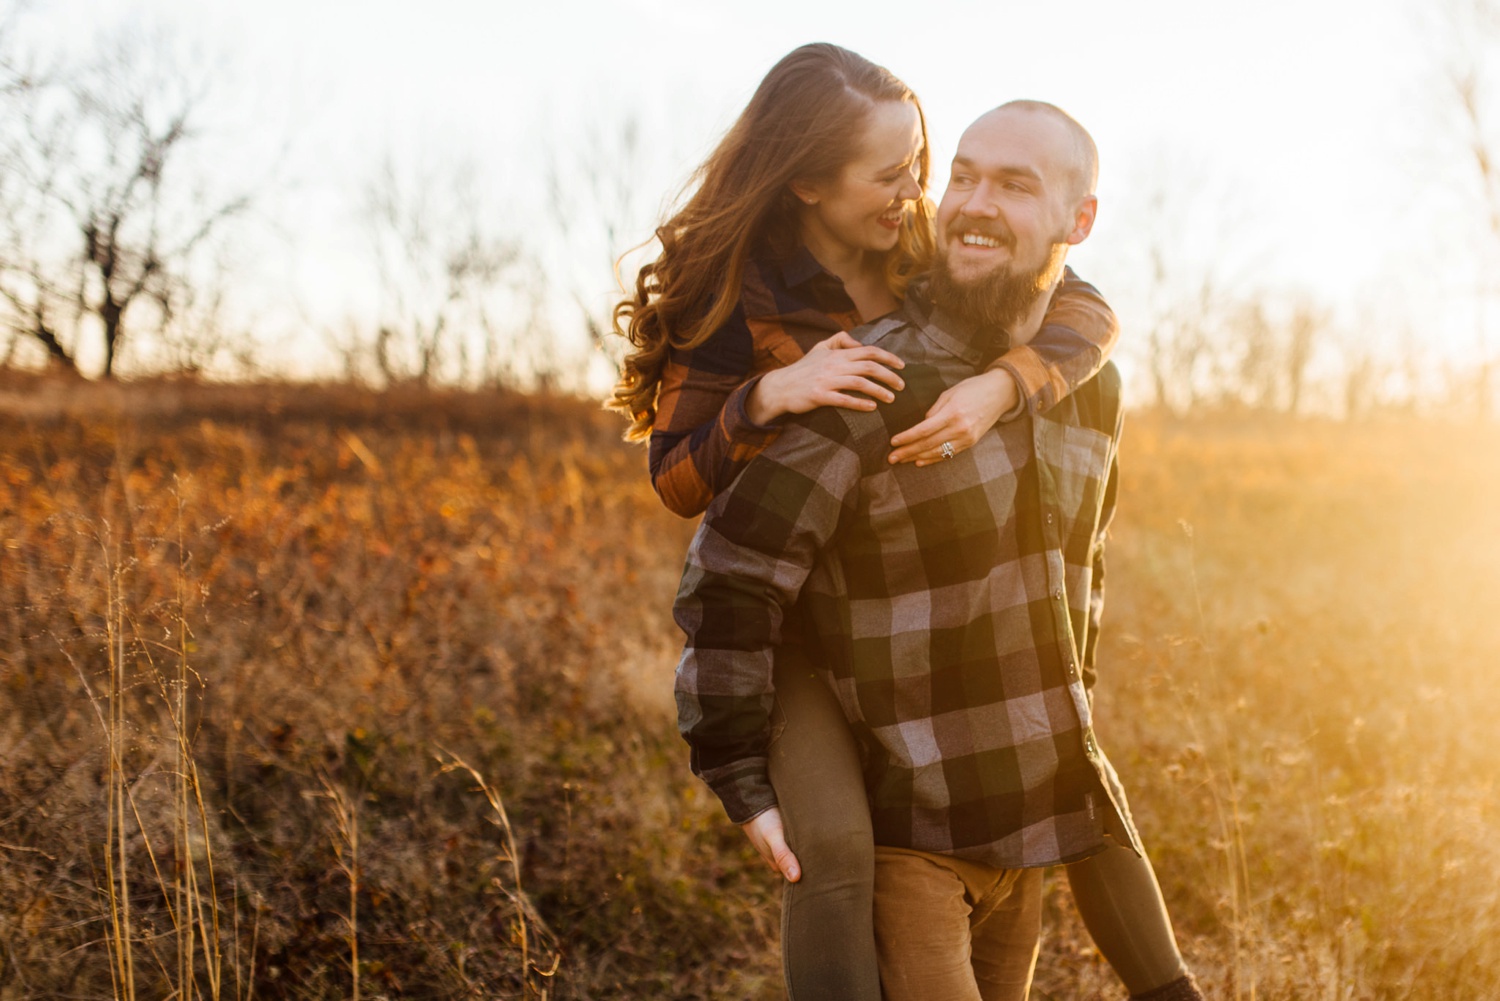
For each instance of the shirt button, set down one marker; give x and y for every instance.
(1049, 517)
(1057, 593)
(1072, 670)
(1089, 745)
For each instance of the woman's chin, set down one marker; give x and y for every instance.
(884, 240)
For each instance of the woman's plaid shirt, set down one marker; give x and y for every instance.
(956, 607)
(702, 437)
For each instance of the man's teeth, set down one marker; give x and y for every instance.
(976, 240)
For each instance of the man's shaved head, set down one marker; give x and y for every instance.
(1084, 166)
(1020, 193)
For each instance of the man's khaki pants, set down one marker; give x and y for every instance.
(952, 930)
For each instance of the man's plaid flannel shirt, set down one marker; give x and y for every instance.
(703, 438)
(956, 607)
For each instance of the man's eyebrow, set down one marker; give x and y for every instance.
(1005, 171)
(1028, 172)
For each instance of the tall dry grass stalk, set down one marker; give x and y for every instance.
(1224, 787)
(116, 860)
(195, 912)
(530, 933)
(345, 812)
(193, 915)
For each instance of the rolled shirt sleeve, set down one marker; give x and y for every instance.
(703, 436)
(1077, 336)
(746, 565)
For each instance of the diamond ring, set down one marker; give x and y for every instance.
(947, 449)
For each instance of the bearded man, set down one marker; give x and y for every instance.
(954, 605)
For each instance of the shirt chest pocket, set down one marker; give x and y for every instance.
(1074, 467)
(776, 346)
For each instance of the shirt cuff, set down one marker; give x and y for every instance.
(744, 787)
(1023, 398)
(737, 425)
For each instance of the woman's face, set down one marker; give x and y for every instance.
(861, 209)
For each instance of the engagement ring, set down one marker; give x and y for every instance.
(947, 450)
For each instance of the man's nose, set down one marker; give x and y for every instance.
(979, 204)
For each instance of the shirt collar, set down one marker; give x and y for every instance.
(955, 335)
(800, 266)
(784, 285)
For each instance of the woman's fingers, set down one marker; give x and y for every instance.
(825, 377)
(921, 452)
(877, 370)
(835, 387)
(866, 369)
(925, 435)
(922, 443)
(864, 382)
(766, 834)
(841, 341)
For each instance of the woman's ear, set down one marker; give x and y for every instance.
(806, 192)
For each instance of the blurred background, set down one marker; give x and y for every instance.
(335, 617)
(1300, 209)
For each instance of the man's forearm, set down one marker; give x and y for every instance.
(723, 712)
(747, 563)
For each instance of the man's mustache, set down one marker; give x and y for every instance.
(993, 230)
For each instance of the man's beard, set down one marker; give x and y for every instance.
(998, 299)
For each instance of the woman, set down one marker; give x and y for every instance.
(809, 219)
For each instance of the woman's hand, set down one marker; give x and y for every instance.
(766, 834)
(825, 377)
(959, 417)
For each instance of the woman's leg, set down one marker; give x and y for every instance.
(827, 917)
(1120, 902)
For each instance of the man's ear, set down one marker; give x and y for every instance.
(1083, 219)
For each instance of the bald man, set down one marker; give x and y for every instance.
(955, 606)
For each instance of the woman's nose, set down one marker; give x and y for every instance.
(911, 189)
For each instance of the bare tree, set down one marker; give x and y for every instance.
(1307, 325)
(1254, 376)
(109, 204)
(1361, 378)
(1471, 49)
(1178, 271)
(604, 198)
(458, 301)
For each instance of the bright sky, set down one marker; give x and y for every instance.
(1298, 142)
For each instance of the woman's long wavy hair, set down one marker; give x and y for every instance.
(804, 123)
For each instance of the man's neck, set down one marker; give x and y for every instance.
(1030, 325)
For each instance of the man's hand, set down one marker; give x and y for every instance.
(766, 834)
(827, 376)
(959, 417)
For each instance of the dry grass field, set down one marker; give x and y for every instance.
(309, 693)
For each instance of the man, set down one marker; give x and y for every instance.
(954, 605)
